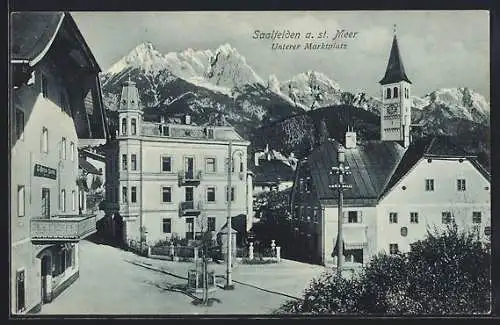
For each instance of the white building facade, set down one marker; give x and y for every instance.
(169, 180)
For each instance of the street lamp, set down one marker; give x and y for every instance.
(229, 282)
(340, 170)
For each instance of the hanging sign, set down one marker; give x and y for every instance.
(43, 171)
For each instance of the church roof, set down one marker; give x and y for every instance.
(395, 71)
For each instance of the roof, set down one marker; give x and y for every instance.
(33, 33)
(431, 147)
(395, 71)
(88, 167)
(371, 165)
(272, 171)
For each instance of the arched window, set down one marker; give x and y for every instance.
(395, 92)
(388, 93)
(124, 126)
(133, 126)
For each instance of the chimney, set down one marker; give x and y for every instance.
(188, 119)
(350, 139)
(162, 119)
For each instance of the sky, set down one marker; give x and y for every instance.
(439, 49)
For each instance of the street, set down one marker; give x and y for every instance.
(110, 283)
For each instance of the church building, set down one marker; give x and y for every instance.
(400, 187)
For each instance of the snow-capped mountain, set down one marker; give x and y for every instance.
(219, 70)
(462, 103)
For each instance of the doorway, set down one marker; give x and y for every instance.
(46, 277)
(45, 203)
(189, 166)
(20, 289)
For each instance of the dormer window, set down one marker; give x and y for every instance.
(395, 92)
(388, 93)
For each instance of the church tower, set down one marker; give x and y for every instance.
(395, 116)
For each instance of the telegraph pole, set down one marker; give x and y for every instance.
(229, 281)
(340, 170)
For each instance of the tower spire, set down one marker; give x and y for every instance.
(395, 71)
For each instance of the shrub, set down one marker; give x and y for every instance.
(444, 274)
(256, 261)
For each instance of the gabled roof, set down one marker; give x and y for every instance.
(431, 147)
(272, 171)
(33, 33)
(370, 163)
(395, 71)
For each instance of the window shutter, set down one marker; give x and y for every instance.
(360, 216)
(345, 216)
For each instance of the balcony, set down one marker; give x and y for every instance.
(189, 177)
(190, 208)
(67, 228)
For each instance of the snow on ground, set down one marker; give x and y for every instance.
(110, 284)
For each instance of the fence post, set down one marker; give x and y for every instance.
(278, 253)
(250, 251)
(172, 251)
(149, 251)
(273, 246)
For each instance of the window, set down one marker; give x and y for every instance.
(124, 162)
(487, 231)
(211, 224)
(393, 217)
(446, 217)
(167, 225)
(395, 92)
(45, 86)
(460, 184)
(73, 200)
(476, 217)
(393, 248)
(189, 228)
(166, 164)
(189, 194)
(388, 93)
(210, 194)
(63, 148)
(63, 200)
(19, 124)
(352, 217)
(133, 194)
(404, 231)
(124, 194)
(124, 126)
(413, 217)
(232, 193)
(72, 150)
(210, 165)
(45, 140)
(166, 194)
(429, 185)
(241, 166)
(133, 161)
(133, 126)
(20, 201)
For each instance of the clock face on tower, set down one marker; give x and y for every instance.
(391, 109)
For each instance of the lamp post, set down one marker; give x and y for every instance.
(340, 170)
(229, 282)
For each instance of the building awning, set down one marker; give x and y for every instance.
(354, 236)
(88, 167)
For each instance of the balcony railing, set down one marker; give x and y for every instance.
(66, 228)
(190, 208)
(189, 176)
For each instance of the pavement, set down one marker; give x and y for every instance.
(113, 282)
